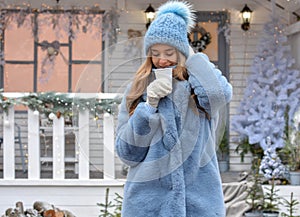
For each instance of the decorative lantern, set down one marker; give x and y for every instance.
(246, 15)
(150, 14)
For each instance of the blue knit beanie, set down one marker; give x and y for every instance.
(173, 21)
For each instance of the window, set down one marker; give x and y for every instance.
(52, 50)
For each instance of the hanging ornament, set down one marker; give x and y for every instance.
(51, 116)
(106, 115)
(52, 49)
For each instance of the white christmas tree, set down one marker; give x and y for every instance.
(273, 90)
(271, 166)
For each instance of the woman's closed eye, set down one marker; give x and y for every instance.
(155, 54)
(165, 54)
(170, 53)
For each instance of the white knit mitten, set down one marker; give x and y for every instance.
(191, 51)
(158, 89)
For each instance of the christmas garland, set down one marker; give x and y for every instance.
(61, 104)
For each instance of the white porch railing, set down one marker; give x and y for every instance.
(58, 158)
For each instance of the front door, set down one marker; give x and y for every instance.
(209, 37)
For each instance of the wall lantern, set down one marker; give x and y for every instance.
(246, 15)
(150, 14)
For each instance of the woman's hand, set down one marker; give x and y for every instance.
(158, 89)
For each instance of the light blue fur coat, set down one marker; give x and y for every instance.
(173, 170)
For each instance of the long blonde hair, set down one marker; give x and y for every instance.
(141, 80)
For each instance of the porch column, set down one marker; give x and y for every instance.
(9, 144)
(83, 145)
(58, 148)
(34, 164)
(108, 149)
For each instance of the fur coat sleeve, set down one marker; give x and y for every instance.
(212, 89)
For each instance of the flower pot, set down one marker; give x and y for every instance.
(270, 214)
(253, 214)
(295, 177)
(223, 166)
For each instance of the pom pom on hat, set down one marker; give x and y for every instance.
(173, 22)
(182, 9)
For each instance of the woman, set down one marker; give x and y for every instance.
(166, 128)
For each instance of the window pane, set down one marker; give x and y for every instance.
(52, 75)
(86, 78)
(18, 78)
(18, 41)
(46, 32)
(87, 46)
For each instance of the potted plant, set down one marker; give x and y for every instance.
(110, 208)
(223, 152)
(291, 207)
(255, 193)
(244, 147)
(291, 151)
(271, 200)
(291, 154)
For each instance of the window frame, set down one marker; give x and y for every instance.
(37, 44)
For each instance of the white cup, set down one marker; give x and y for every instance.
(165, 73)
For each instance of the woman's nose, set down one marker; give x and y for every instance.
(163, 62)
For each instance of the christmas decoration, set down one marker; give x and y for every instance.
(273, 91)
(274, 171)
(52, 50)
(200, 44)
(271, 166)
(5, 102)
(40, 209)
(51, 116)
(111, 26)
(58, 104)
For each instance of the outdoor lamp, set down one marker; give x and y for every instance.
(246, 15)
(150, 14)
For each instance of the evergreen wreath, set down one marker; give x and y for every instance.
(205, 39)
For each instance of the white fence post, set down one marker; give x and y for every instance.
(83, 145)
(9, 144)
(58, 148)
(34, 164)
(108, 149)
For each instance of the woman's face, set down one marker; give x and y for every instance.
(163, 55)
